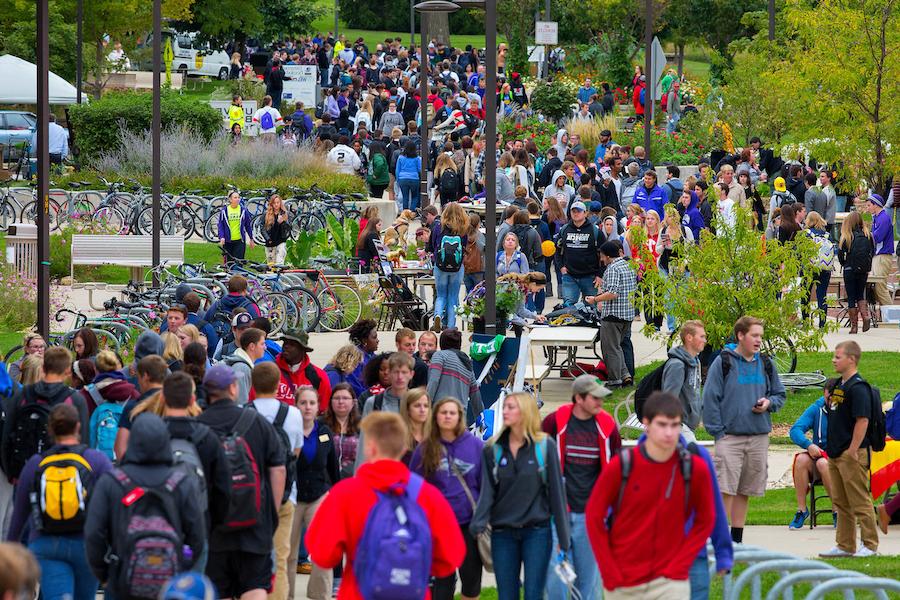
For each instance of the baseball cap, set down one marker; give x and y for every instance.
(241, 320)
(779, 184)
(876, 199)
(578, 206)
(219, 377)
(606, 133)
(596, 206)
(297, 336)
(590, 384)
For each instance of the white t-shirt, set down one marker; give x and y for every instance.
(345, 158)
(258, 118)
(726, 210)
(293, 426)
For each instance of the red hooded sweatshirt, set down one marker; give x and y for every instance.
(650, 538)
(338, 524)
(292, 377)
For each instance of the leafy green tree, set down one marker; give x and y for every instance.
(554, 100)
(515, 19)
(756, 100)
(733, 273)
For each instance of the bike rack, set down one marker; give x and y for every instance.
(786, 584)
(751, 554)
(780, 565)
(877, 585)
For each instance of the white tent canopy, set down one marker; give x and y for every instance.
(18, 83)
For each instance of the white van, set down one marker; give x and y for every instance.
(193, 57)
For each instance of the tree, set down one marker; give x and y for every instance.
(756, 100)
(515, 19)
(733, 273)
(287, 17)
(848, 84)
(721, 25)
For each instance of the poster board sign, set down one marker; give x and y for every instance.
(546, 33)
(250, 107)
(301, 87)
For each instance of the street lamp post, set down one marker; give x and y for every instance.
(648, 69)
(429, 6)
(43, 167)
(155, 127)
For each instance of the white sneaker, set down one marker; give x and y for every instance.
(835, 553)
(864, 552)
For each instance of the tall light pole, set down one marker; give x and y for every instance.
(79, 44)
(43, 167)
(412, 23)
(429, 6)
(648, 69)
(155, 127)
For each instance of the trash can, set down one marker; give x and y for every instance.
(21, 248)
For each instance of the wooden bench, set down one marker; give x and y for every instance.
(134, 251)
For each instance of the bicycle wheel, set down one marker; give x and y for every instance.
(14, 354)
(306, 222)
(29, 213)
(281, 310)
(802, 380)
(7, 215)
(145, 222)
(257, 227)
(308, 309)
(109, 218)
(211, 228)
(178, 221)
(783, 353)
(341, 307)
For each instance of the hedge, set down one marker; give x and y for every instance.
(97, 124)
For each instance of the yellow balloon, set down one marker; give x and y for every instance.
(548, 248)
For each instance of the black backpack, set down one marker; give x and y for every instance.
(29, 432)
(685, 462)
(221, 324)
(245, 505)
(320, 109)
(290, 461)
(876, 433)
(472, 122)
(449, 186)
(652, 382)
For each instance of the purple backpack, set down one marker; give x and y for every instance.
(393, 559)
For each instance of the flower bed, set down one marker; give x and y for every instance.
(680, 148)
(531, 128)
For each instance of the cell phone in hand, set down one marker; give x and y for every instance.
(759, 403)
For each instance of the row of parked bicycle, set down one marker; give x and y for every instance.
(126, 208)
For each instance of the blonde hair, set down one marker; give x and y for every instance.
(172, 347)
(107, 361)
(346, 358)
(155, 404)
(673, 224)
(531, 418)
(443, 163)
(454, 219)
(270, 211)
(851, 223)
(408, 399)
(814, 219)
(191, 331)
(32, 369)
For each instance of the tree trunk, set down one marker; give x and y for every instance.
(679, 56)
(437, 27)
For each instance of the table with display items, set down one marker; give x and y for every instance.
(561, 346)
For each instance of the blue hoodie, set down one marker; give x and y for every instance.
(228, 303)
(721, 533)
(693, 219)
(815, 419)
(652, 199)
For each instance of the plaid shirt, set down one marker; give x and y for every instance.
(479, 165)
(619, 279)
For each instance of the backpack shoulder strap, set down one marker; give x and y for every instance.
(281, 417)
(414, 486)
(198, 432)
(686, 460)
(312, 375)
(123, 479)
(540, 454)
(726, 366)
(242, 425)
(626, 461)
(95, 394)
(378, 401)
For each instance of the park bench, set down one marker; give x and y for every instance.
(134, 251)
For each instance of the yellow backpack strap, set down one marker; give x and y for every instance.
(65, 456)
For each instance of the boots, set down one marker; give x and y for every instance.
(864, 311)
(854, 315)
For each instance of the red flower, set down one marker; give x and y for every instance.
(518, 126)
(532, 136)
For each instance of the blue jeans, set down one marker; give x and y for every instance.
(65, 572)
(510, 549)
(699, 578)
(409, 188)
(446, 296)
(472, 279)
(581, 556)
(672, 123)
(628, 351)
(574, 287)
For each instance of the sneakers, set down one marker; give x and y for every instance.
(884, 519)
(864, 552)
(835, 553)
(799, 519)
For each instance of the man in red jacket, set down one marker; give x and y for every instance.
(649, 555)
(297, 369)
(340, 521)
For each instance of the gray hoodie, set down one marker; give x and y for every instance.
(566, 190)
(681, 376)
(560, 147)
(728, 405)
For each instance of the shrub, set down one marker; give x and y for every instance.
(18, 300)
(554, 100)
(99, 125)
(589, 129)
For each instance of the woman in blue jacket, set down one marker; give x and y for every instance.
(234, 227)
(812, 463)
(409, 165)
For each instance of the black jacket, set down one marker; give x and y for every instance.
(148, 462)
(857, 258)
(278, 233)
(275, 80)
(550, 167)
(315, 478)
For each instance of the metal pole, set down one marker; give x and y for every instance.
(490, 168)
(648, 67)
(546, 66)
(423, 110)
(43, 167)
(79, 42)
(155, 131)
(336, 10)
(771, 20)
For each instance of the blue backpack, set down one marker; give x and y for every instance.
(393, 559)
(450, 254)
(266, 121)
(104, 423)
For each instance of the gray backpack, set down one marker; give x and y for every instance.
(186, 458)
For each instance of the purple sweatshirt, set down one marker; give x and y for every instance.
(883, 233)
(22, 507)
(465, 452)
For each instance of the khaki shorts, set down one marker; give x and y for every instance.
(742, 464)
(657, 589)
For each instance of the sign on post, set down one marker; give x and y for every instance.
(546, 33)
(302, 85)
(250, 107)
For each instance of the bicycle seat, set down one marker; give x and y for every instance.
(358, 196)
(192, 192)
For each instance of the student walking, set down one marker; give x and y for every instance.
(521, 491)
(234, 228)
